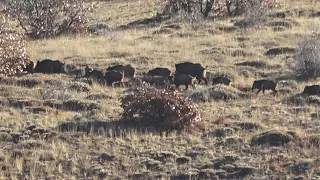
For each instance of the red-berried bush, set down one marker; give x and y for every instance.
(166, 111)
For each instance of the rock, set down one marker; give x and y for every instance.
(315, 115)
(280, 50)
(285, 91)
(212, 174)
(241, 38)
(6, 137)
(163, 155)
(215, 50)
(277, 15)
(79, 87)
(30, 127)
(241, 24)
(16, 137)
(256, 64)
(315, 14)
(272, 138)
(36, 110)
(163, 31)
(184, 176)
(39, 131)
(245, 125)
(29, 83)
(220, 132)
(98, 96)
(98, 29)
(298, 178)
(227, 159)
(301, 167)
(107, 157)
(228, 29)
(172, 26)
(151, 164)
(139, 176)
(241, 172)
(5, 130)
(193, 154)
(232, 141)
(183, 160)
(315, 100)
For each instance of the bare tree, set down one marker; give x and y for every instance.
(49, 18)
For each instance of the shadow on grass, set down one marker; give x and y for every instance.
(113, 128)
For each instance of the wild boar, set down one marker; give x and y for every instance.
(94, 74)
(159, 72)
(221, 80)
(29, 67)
(312, 90)
(265, 84)
(128, 70)
(184, 79)
(112, 77)
(49, 66)
(194, 70)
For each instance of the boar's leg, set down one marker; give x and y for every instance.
(258, 91)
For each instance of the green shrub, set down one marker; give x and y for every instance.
(160, 109)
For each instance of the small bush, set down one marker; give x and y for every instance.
(218, 92)
(13, 54)
(255, 11)
(160, 109)
(306, 63)
(49, 18)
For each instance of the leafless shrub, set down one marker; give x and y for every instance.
(49, 18)
(200, 7)
(13, 54)
(255, 11)
(306, 63)
(250, 8)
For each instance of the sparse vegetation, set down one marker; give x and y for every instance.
(65, 126)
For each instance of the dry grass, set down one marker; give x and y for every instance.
(85, 140)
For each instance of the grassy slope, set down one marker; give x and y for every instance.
(74, 155)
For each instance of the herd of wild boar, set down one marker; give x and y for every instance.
(186, 74)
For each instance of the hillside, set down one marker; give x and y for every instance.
(56, 126)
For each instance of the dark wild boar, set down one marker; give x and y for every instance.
(29, 67)
(128, 70)
(159, 72)
(157, 81)
(112, 77)
(221, 80)
(49, 66)
(194, 70)
(263, 85)
(184, 79)
(312, 90)
(93, 74)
